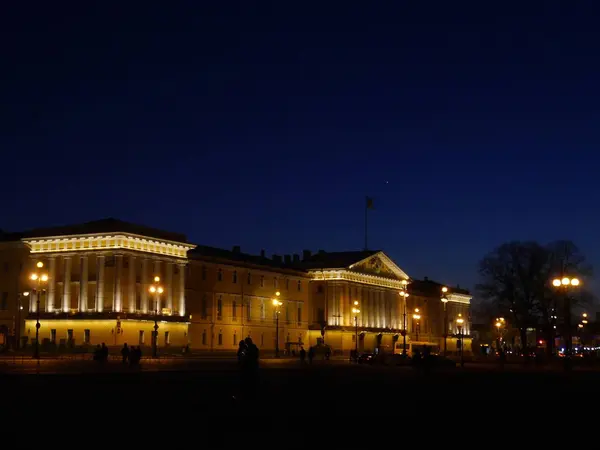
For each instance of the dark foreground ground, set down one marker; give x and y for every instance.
(290, 389)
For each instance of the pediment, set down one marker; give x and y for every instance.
(380, 265)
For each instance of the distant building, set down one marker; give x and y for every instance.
(100, 275)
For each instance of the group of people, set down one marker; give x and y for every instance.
(131, 355)
(247, 356)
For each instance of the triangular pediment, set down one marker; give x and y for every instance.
(381, 265)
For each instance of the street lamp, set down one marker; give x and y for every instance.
(356, 312)
(417, 317)
(277, 304)
(19, 309)
(39, 278)
(565, 283)
(460, 321)
(499, 324)
(404, 294)
(156, 289)
(445, 301)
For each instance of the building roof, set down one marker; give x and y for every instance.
(108, 225)
(334, 260)
(429, 287)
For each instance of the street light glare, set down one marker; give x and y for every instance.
(404, 282)
(26, 293)
(34, 276)
(156, 279)
(40, 264)
(444, 289)
(575, 282)
(152, 289)
(556, 282)
(356, 302)
(44, 277)
(416, 310)
(160, 290)
(565, 281)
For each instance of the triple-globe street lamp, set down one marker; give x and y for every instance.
(277, 304)
(445, 301)
(564, 284)
(38, 277)
(356, 312)
(156, 289)
(404, 294)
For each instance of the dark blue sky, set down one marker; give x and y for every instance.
(266, 126)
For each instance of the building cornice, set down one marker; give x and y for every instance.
(355, 277)
(107, 241)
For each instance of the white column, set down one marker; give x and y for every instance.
(181, 305)
(382, 310)
(342, 298)
(66, 306)
(83, 284)
(169, 287)
(157, 306)
(132, 284)
(33, 301)
(51, 284)
(100, 261)
(144, 287)
(117, 295)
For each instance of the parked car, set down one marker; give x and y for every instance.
(366, 358)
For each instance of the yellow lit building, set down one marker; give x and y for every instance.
(100, 276)
(358, 295)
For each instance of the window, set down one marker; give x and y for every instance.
(203, 337)
(320, 315)
(287, 284)
(167, 338)
(141, 339)
(248, 311)
(203, 273)
(69, 335)
(234, 278)
(234, 310)
(203, 307)
(319, 289)
(220, 275)
(249, 278)
(86, 336)
(299, 315)
(287, 312)
(262, 281)
(4, 301)
(53, 336)
(299, 286)
(219, 307)
(262, 310)
(235, 341)
(220, 341)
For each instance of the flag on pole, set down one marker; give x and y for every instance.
(369, 203)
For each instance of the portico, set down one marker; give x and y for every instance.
(100, 281)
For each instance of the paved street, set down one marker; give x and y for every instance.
(207, 386)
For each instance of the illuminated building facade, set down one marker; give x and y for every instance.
(100, 275)
(98, 287)
(370, 282)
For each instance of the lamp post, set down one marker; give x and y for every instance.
(277, 304)
(39, 278)
(156, 289)
(417, 317)
(459, 322)
(564, 283)
(445, 301)
(499, 324)
(404, 294)
(19, 309)
(356, 312)
(582, 325)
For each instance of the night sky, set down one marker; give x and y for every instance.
(469, 123)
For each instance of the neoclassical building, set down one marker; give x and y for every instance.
(99, 277)
(101, 288)
(372, 284)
